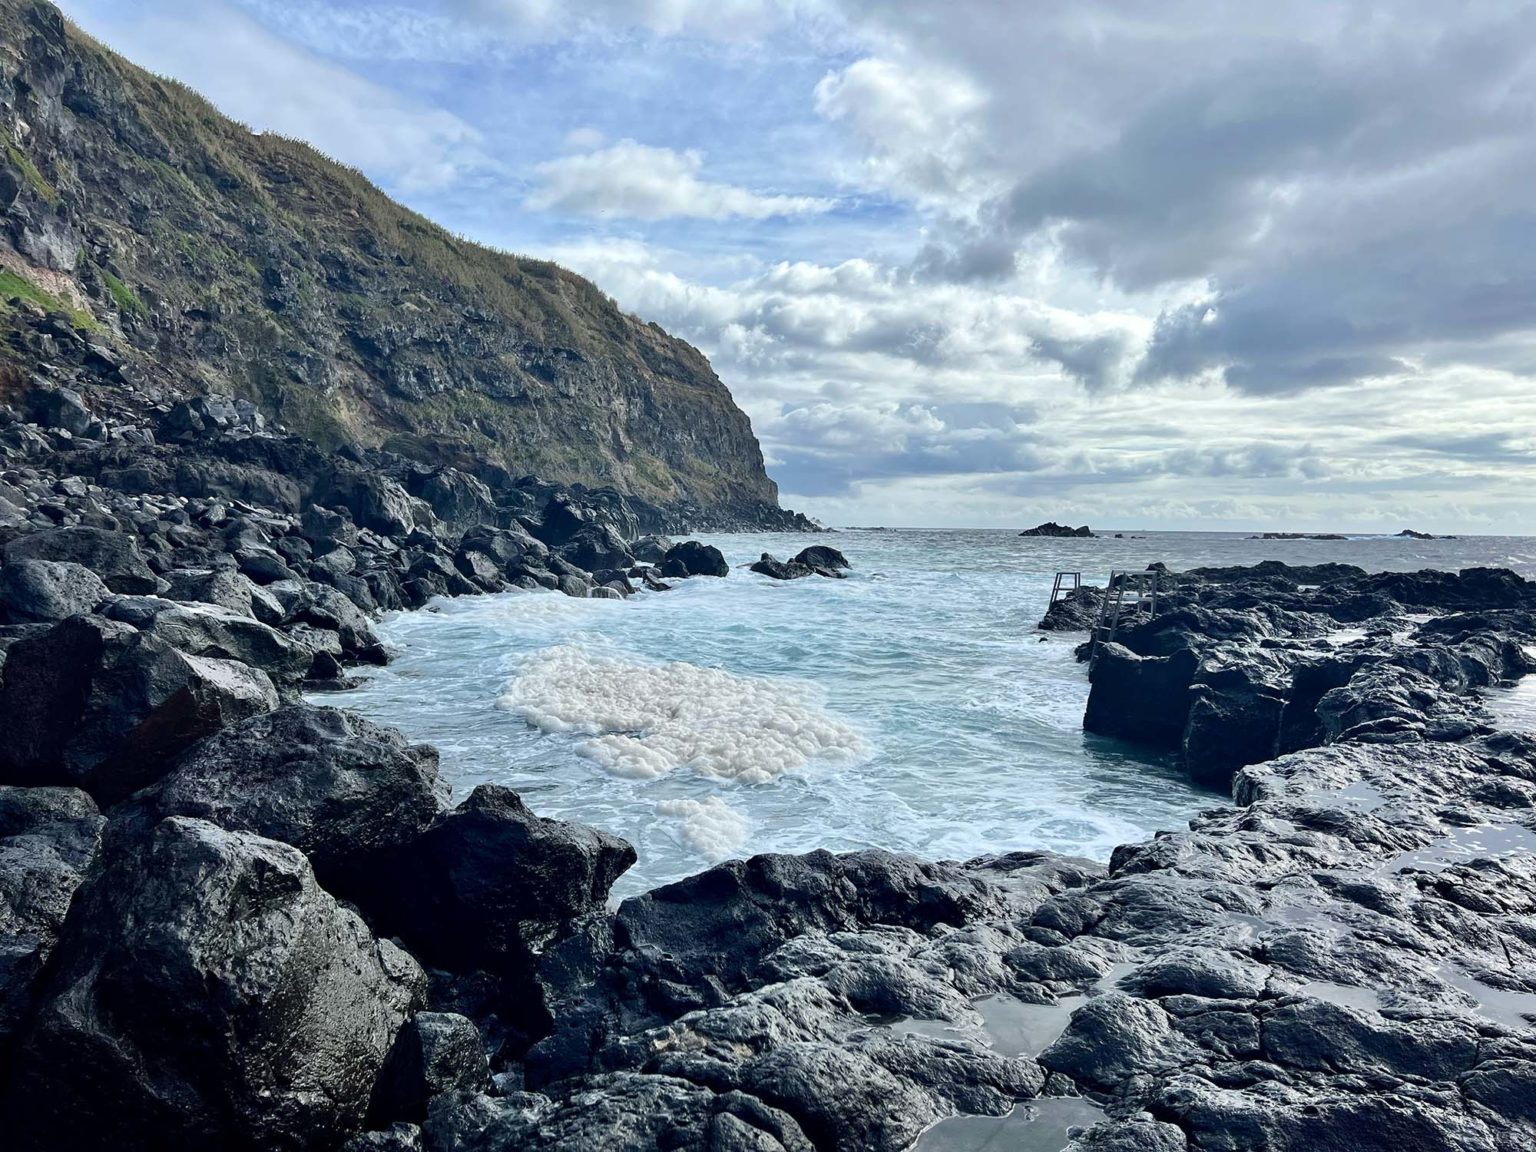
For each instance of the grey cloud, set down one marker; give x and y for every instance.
(1094, 361)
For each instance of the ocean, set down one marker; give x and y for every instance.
(911, 706)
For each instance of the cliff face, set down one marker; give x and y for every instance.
(215, 260)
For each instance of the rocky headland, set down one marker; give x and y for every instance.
(246, 403)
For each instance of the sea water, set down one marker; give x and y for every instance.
(912, 706)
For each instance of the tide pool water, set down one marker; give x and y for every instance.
(911, 706)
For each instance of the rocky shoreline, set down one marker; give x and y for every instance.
(231, 919)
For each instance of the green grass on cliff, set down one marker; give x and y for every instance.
(124, 297)
(13, 286)
(30, 173)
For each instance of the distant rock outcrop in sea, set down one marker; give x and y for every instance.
(1051, 528)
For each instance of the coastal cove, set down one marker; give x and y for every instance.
(911, 706)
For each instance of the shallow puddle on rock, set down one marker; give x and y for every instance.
(1459, 845)
(1015, 1028)
(1039, 1126)
(1358, 797)
(1012, 1026)
(1500, 1005)
(1342, 994)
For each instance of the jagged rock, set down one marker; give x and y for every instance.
(1077, 611)
(436, 1052)
(775, 569)
(823, 560)
(719, 925)
(224, 589)
(207, 993)
(64, 408)
(692, 558)
(378, 503)
(615, 1111)
(114, 557)
(489, 883)
(39, 591)
(340, 789)
(395, 1138)
(98, 704)
(48, 840)
(459, 500)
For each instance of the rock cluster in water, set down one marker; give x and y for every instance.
(1051, 528)
(229, 919)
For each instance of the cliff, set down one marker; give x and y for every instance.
(214, 260)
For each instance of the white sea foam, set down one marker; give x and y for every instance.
(711, 827)
(647, 721)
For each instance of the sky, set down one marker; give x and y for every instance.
(1193, 264)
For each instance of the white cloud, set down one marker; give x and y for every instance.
(639, 182)
(273, 86)
(920, 125)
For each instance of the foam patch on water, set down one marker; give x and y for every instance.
(648, 721)
(711, 827)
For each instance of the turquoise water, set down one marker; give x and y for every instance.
(911, 706)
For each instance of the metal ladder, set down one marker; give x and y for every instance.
(1064, 585)
(1128, 597)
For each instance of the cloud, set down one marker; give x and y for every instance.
(639, 182)
(273, 86)
(919, 124)
(1252, 265)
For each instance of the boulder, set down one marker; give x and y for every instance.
(98, 704)
(436, 1052)
(456, 498)
(377, 502)
(44, 591)
(224, 589)
(823, 560)
(342, 790)
(207, 993)
(596, 546)
(113, 556)
(561, 520)
(651, 549)
(694, 558)
(775, 569)
(327, 528)
(53, 407)
(618, 1111)
(489, 883)
(717, 926)
(48, 839)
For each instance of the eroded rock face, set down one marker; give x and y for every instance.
(208, 993)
